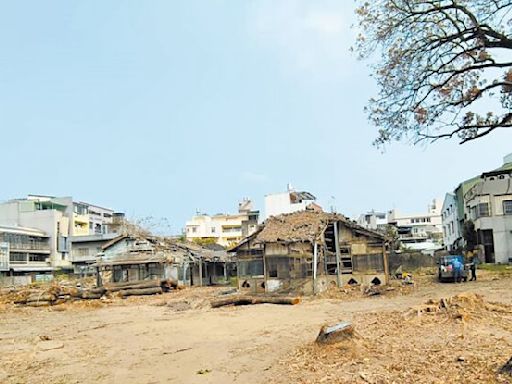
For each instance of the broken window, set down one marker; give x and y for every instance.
(278, 267)
(371, 262)
(250, 267)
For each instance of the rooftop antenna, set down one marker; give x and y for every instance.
(333, 204)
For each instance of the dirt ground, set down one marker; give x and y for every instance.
(177, 338)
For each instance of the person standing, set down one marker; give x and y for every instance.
(457, 270)
(472, 267)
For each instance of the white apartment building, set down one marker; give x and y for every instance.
(223, 229)
(288, 202)
(373, 220)
(450, 219)
(489, 205)
(24, 250)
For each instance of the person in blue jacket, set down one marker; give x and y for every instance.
(457, 270)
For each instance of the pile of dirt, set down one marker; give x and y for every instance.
(464, 306)
(436, 347)
(356, 292)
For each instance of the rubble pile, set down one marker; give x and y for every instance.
(464, 306)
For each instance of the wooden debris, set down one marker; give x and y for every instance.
(140, 292)
(335, 333)
(249, 300)
(133, 285)
(506, 368)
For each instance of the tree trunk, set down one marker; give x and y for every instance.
(140, 292)
(335, 333)
(134, 285)
(249, 300)
(41, 297)
(88, 295)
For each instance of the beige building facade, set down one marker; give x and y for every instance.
(223, 229)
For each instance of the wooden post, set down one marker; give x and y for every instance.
(200, 272)
(315, 261)
(99, 283)
(264, 269)
(337, 245)
(386, 262)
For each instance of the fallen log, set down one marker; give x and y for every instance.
(134, 285)
(43, 296)
(140, 292)
(89, 295)
(39, 303)
(335, 333)
(249, 300)
(72, 291)
(98, 290)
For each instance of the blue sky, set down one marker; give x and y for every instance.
(164, 107)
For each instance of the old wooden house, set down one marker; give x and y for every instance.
(307, 252)
(129, 258)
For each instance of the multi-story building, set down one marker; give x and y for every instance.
(481, 199)
(288, 202)
(223, 229)
(24, 250)
(489, 205)
(452, 229)
(422, 232)
(373, 220)
(61, 220)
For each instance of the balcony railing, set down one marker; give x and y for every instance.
(29, 246)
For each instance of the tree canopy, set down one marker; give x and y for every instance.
(445, 67)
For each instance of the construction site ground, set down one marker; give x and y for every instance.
(178, 338)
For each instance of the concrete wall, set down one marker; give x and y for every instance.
(502, 232)
(410, 261)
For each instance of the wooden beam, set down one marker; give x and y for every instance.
(337, 245)
(315, 260)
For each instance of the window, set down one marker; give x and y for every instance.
(231, 229)
(507, 207)
(483, 210)
(36, 258)
(16, 257)
(194, 229)
(213, 229)
(251, 267)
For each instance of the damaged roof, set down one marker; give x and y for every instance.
(303, 226)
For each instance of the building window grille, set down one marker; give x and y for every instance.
(507, 207)
(483, 210)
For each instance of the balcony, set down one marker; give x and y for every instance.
(83, 255)
(30, 246)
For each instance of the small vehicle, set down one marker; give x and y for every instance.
(446, 272)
